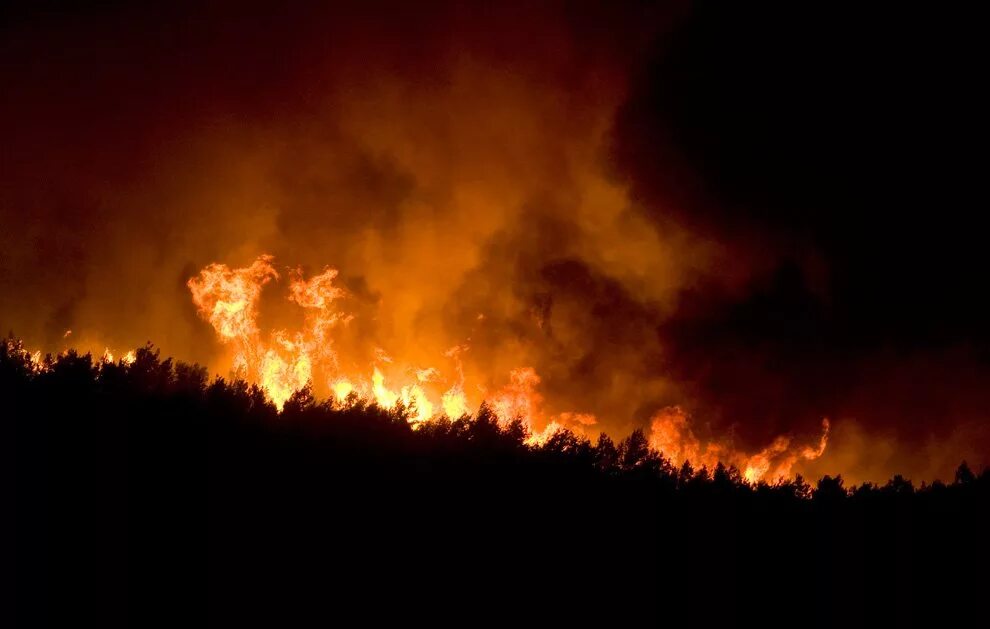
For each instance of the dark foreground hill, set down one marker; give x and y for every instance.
(147, 495)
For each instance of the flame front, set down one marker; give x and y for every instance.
(672, 435)
(228, 299)
(284, 362)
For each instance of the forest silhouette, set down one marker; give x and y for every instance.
(150, 494)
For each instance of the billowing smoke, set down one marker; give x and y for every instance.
(616, 198)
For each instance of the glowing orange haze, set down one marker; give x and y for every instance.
(283, 362)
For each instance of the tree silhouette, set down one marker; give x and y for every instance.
(964, 475)
(147, 493)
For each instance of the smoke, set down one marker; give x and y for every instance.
(528, 184)
(829, 151)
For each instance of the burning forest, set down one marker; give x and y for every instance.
(283, 362)
(458, 293)
(504, 196)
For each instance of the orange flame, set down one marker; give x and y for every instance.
(228, 299)
(286, 362)
(672, 435)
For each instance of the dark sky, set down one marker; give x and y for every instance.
(826, 158)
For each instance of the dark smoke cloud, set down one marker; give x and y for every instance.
(782, 228)
(832, 147)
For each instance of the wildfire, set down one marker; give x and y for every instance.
(39, 362)
(126, 359)
(283, 362)
(228, 299)
(672, 435)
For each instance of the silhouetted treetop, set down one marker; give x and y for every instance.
(74, 383)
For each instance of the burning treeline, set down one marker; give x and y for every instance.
(475, 178)
(283, 362)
